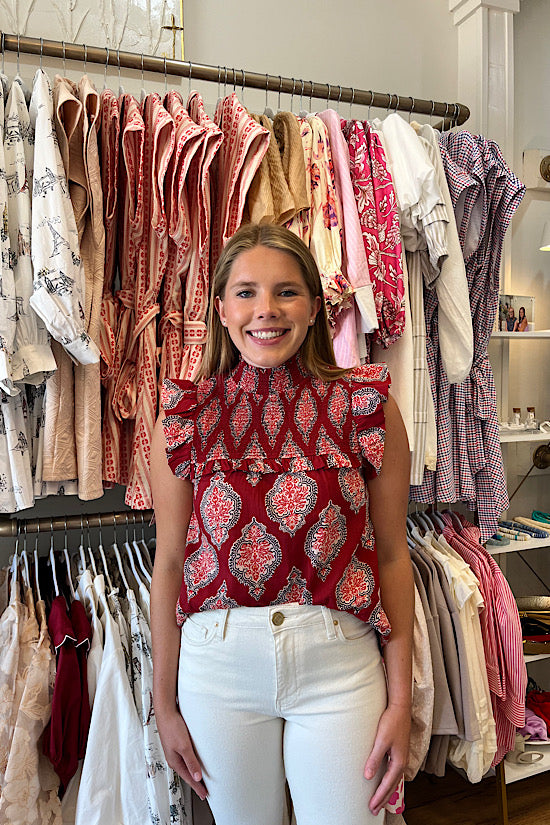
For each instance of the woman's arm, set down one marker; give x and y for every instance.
(173, 503)
(389, 495)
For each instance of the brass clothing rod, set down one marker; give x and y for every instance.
(452, 113)
(11, 527)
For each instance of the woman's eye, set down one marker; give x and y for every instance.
(288, 293)
(244, 293)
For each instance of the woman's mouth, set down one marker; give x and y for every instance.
(266, 334)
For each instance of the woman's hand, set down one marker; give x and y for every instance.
(391, 742)
(179, 751)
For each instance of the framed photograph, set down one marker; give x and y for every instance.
(516, 313)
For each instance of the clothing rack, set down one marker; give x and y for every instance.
(12, 527)
(453, 114)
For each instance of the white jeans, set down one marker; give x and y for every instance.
(291, 692)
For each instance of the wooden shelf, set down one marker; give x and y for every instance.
(536, 333)
(518, 546)
(511, 436)
(514, 772)
(535, 657)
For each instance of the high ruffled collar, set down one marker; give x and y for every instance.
(262, 381)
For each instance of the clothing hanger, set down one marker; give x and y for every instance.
(105, 71)
(35, 555)
(120, 89)
(68, 564)
(52, 557)
(130, 555)
(279, 94)
(116, 551)
(457, 524)
(242, 87)
(268, 111)
(144, 551)
(82, 555)
(103, 559)
(89, 548)
(25, 575)
(138, 551)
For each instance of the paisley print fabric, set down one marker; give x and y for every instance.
(278, 462)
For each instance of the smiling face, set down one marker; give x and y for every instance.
(266, 306)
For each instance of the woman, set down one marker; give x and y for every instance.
(277, 668)
(521, 323)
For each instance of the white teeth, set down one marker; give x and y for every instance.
(265, 335)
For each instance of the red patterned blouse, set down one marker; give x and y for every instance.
(278, 461)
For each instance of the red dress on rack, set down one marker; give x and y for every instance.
(152, 261)
(189, 139)
(199, 199)
(119, 409)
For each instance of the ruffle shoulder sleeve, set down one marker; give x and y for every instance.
(370, 386)
(179, 400)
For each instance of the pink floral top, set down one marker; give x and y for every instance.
(379, 218)
(278, 462)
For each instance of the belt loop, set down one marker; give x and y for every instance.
(329, 622)
(222, 624)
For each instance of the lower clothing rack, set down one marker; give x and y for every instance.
(13, 527)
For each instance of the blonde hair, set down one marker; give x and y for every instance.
(220, 355)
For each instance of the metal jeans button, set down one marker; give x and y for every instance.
(277, 618)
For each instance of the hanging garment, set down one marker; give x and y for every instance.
(197, 281)
(286, 128)
(32, 357)
(423, 692)
(92, 247)
(169, 798)
(188, 142)
(325, 238)
(456, 337)
(58, 270)
(114, 753)
(120, 397)
(269, 200)
(152, 260)
(30, 787)
(59, 460)
(485, 195)
(354, 261)
(240, 154)
(8, 314)
(109, 138)
(301, 224)
(377, 207)
(61, 737)
(12, 623)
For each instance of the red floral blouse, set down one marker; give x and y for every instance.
(278, 461)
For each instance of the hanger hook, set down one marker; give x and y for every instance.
(432, 110)
(190, 78)
(85, 56)
(225, 81)
(142, 69)
(311, 89)
(127, 533)
(100, 534)
(370, 104)
(106, 64)
(411, 109)
(41, 50)
(234, 78)
(266, 88)
(51, 533)
(118, 61)
(65, 529)
(302, 96)
(165, 76)
(114, 528)
(243, 81)
(25, 535)
(292, 94)
(398, 104)
(351, 101)
(64, 58)
(279, 96)
(3, 50)
(456, 113)
(339, 98)
(328, 94)
(18, 37)
(219, 80)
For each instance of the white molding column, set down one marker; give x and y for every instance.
(486, 85)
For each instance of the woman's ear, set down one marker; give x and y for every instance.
(218, 305)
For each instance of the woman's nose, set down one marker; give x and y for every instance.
(266, 307)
